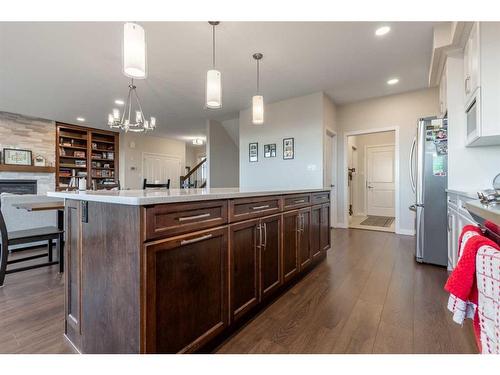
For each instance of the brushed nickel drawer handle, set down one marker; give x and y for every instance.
(260, 207)
(299, 201)
(186, 218)
(198, 239)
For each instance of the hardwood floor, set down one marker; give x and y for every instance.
(369, 296)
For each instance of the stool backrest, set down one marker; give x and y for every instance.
(146, 185)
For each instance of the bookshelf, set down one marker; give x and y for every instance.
(85, 152)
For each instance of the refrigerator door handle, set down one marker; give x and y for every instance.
(411, 169)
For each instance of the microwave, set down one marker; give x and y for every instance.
(473, 117)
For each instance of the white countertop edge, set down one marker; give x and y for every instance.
(173, 196)
(468, 194)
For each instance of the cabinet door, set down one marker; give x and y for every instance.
(315, 231)
(245, 239)
(270, 255)
(73, 274)
(290, 245)
(474, 58)
(452, 239)
(304, 238)
(186, 291)
(325, 237)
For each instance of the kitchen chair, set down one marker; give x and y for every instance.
(28, 236)
(145, 185)
(115, 186)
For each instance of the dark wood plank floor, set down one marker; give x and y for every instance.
(369, 296)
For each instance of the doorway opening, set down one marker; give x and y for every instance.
(371, 181)
(330, 173)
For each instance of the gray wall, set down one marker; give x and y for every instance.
(222, 154)
(300, 118)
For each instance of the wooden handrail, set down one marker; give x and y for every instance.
(195, 168)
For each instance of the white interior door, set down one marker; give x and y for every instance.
(158, 168)
(380, 180)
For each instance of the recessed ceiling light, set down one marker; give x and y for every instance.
(81, 119)
(392, 81)
(382, 30)
(119, 102)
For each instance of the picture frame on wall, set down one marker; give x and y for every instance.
(253, 152)
(288, 148)
(14, 156)
(270, 150)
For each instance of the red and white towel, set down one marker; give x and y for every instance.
(463, 285)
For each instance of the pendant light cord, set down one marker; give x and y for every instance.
(213, 46)
(258, 76)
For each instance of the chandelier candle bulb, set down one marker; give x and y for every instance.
(153, 122)
(116, 114)
(134, 51)
(138, 116)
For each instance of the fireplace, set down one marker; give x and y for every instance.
(18, 186)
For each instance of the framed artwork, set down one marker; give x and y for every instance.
(270, 150)
(288, 148)
(13, 156)
(253, 152)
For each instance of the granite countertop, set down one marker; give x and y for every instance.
(468, 194)
(489, 212)
(157, 196)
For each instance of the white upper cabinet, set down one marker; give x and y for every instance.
(482, 84)
(443, 103)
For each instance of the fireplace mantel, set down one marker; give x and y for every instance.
(26, 168)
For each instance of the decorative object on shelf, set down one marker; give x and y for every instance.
(12, 156)
(270, 150)
(197, 141)
(127, 123)
(253, 152)
(39, 161)
(134, 51)
(134, 67)
(214, 78)
(79, 154)
(288, 148)
(257, 99)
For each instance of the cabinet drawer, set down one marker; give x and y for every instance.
(296, 201)
(319, 198)
(249, 208)
(166, 220)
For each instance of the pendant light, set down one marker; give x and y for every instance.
(134, 51)
(258, 100)
(214, 79)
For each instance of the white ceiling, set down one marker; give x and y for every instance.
(64, 70)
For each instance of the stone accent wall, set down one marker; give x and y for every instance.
(28, 133)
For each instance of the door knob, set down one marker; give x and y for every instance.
(370, 187)
(332, 185)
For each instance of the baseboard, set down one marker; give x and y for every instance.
(406, 232)
(341, 225)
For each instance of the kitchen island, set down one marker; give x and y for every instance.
(175, 271)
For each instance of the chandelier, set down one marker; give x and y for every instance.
(134, 66)
(126, 121)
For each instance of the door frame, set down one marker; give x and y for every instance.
(365, 166)
(345, 203)
(334, 166)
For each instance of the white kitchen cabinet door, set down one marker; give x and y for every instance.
(471, 63)
(452, 239)
(443, 103)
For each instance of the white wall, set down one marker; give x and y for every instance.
(401, 111)
(469, 168)
(222, 155)
(193, 154)
(300, 118)
(359, 181)
(132, 147)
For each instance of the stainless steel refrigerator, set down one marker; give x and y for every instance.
(429, 180)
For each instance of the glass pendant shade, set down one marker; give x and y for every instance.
(258, 110)
(214, 89)
(134, 51)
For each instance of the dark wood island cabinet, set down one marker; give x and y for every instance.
(175, 277)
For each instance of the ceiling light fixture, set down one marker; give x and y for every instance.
(134, 51)
(392, 81)
(382, 30)
(134, 66)
(81, 119)
(197, 141)
(258, 100)
(214, 78)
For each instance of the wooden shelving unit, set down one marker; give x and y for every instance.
(85, 152)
